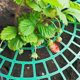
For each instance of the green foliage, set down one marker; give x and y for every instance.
(74, 5)
(54, 3)
(19, 1)
(31, 28)
(26, 27)
(40, 6)
(73, 12)
(34, 6)
(42, 3)
(15, 43)
(34, 18)
(9, 33)
(70, 18)
(24, 16)
(46, 31)
(39, 41)
(37, 15)
(50, 12)
(62, 16)
(30, 38)
(64, 3)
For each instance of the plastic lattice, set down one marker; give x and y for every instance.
(52, 57)
(77, 1)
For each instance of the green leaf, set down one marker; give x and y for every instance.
(39, 41)
(0, 35)
(30, 38)
(64, 3)
(42, 3)
(34, 6)
(33, 19)
(15, 43)
(70, 18)
(50, 12)
(62, 16)
(46, 31)
(54, 3)
(8, 33)
(26, 27)
(23, 16)
(21, 19)
(19, 1)
(73, 12)
(74, 5)
(37, 15)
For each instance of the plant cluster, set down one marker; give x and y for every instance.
(35, 27)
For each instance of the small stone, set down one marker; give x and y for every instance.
(43, 74)
(52, 61)
(28, 68)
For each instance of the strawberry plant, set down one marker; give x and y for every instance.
(35, 28)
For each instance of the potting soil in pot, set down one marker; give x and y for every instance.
(22, 67)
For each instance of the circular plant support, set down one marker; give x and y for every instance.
(48, 75)
(77, 1)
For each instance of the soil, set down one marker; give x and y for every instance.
(7, 18)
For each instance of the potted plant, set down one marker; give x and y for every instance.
(35, 27)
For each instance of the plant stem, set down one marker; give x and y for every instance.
(58, 22)
(35, 49)
(42, 20)
(17, 13)
(1, 43)
(53, 23)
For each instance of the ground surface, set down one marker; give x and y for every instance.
(7, 18)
